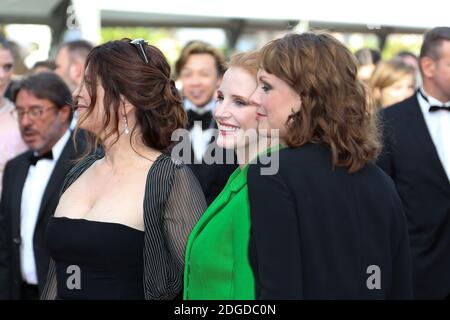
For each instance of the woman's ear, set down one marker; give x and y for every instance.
(298, 103)
(125, 106)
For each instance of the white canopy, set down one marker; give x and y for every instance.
(382, 16)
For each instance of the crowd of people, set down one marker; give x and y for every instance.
(96, 204)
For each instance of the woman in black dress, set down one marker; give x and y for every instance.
(120, 229)
(331, 225)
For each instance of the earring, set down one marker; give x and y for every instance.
(125, 130)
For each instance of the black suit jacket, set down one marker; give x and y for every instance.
(15, 174)
(411, 159)
(213, 177)
(319, 233)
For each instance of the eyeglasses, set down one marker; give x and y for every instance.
(33, 114)
(140, 46)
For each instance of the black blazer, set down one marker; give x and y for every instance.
(319, 233)
(15, 174)
(411, 159)
(212, 177)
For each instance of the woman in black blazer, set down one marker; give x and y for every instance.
(331, 225)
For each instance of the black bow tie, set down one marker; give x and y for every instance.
(433, 108)
(34, 159)
(206, 119)
(437, 108)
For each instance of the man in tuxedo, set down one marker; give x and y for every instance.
(417, 157)
(32, 183)
(200, 69)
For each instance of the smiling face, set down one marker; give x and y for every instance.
(277, 101)
(234, 113)
(200, 78)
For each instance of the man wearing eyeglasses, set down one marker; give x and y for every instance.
(11, 143)
(32, 183)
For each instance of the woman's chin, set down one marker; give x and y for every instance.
(226, 142)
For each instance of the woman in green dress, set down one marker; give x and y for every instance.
(217, 265)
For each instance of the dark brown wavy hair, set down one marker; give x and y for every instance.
(334, 108)
(122, 71)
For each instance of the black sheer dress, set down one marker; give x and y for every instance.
(102, 260)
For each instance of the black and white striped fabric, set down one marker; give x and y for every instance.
(173, 203)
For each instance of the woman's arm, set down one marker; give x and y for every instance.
(50, 291)
(402, 280)
(276, 237)
(184, 207)
(173, 205)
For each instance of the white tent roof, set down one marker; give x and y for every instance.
(389, 13)
(343, 15)
(398, 13)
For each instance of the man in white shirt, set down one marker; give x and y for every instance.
(417, 157)
(32, 183)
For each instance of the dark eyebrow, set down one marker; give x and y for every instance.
(34, 106)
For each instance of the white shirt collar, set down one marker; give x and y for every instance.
(188, 105)
(424, 105)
